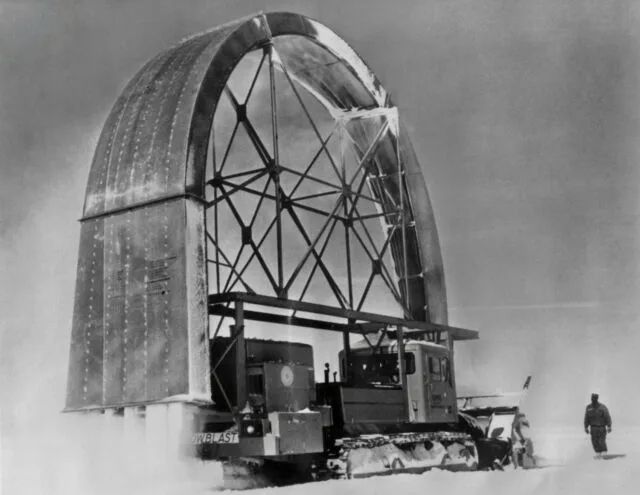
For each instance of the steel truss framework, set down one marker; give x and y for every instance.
(357, 207)
(347, 189)
(347, 185)
(204, 195)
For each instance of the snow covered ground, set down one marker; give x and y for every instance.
(68, 456)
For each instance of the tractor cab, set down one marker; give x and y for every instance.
(430, 384)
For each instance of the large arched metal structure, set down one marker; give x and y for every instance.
(152, 266)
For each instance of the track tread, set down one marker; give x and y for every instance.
(342, 463)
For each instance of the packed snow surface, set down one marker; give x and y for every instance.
(71, 455)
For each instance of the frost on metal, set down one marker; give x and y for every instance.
(341, 49)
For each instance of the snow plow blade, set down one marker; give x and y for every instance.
(498, 418)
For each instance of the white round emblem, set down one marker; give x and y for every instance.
(286, 376)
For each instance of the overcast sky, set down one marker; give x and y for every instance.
(524, 115)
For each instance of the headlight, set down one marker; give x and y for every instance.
(252, 428)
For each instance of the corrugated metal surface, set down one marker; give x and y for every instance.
(142, 151)
(139, 331)
(145, 314)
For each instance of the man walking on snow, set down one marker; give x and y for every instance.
(598, 419)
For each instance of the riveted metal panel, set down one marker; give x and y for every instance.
(135, 328)
(114, 311)
(141, 158)
(197, 307)
(96, 185)
(85, 363)
(160, 287)
(161, 86)
(145, 313)
(142, 149)
(174, 242)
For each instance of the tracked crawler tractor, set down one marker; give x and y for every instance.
(378, 417)
(252, 183)
(392, 409)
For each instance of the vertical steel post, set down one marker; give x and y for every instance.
(452, 371)
(241, 357)
(346, 346)
(276, 167)
(215, 229)
(346, 335)
(402, 371)
(214, 166)
(347, 222)
(403, 219)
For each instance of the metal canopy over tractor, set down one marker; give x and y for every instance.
(358, 322)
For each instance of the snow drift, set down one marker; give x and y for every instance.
(82, 455)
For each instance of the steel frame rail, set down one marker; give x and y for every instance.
(360, 322)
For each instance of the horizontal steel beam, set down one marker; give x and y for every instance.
(456, 333)
(144, 204)
(413, 327)
(363, 328)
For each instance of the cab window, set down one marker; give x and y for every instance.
(434, 369)
(446, 370)
(439, 369)
(379, 369)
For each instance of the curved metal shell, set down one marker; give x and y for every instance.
(140, 320)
